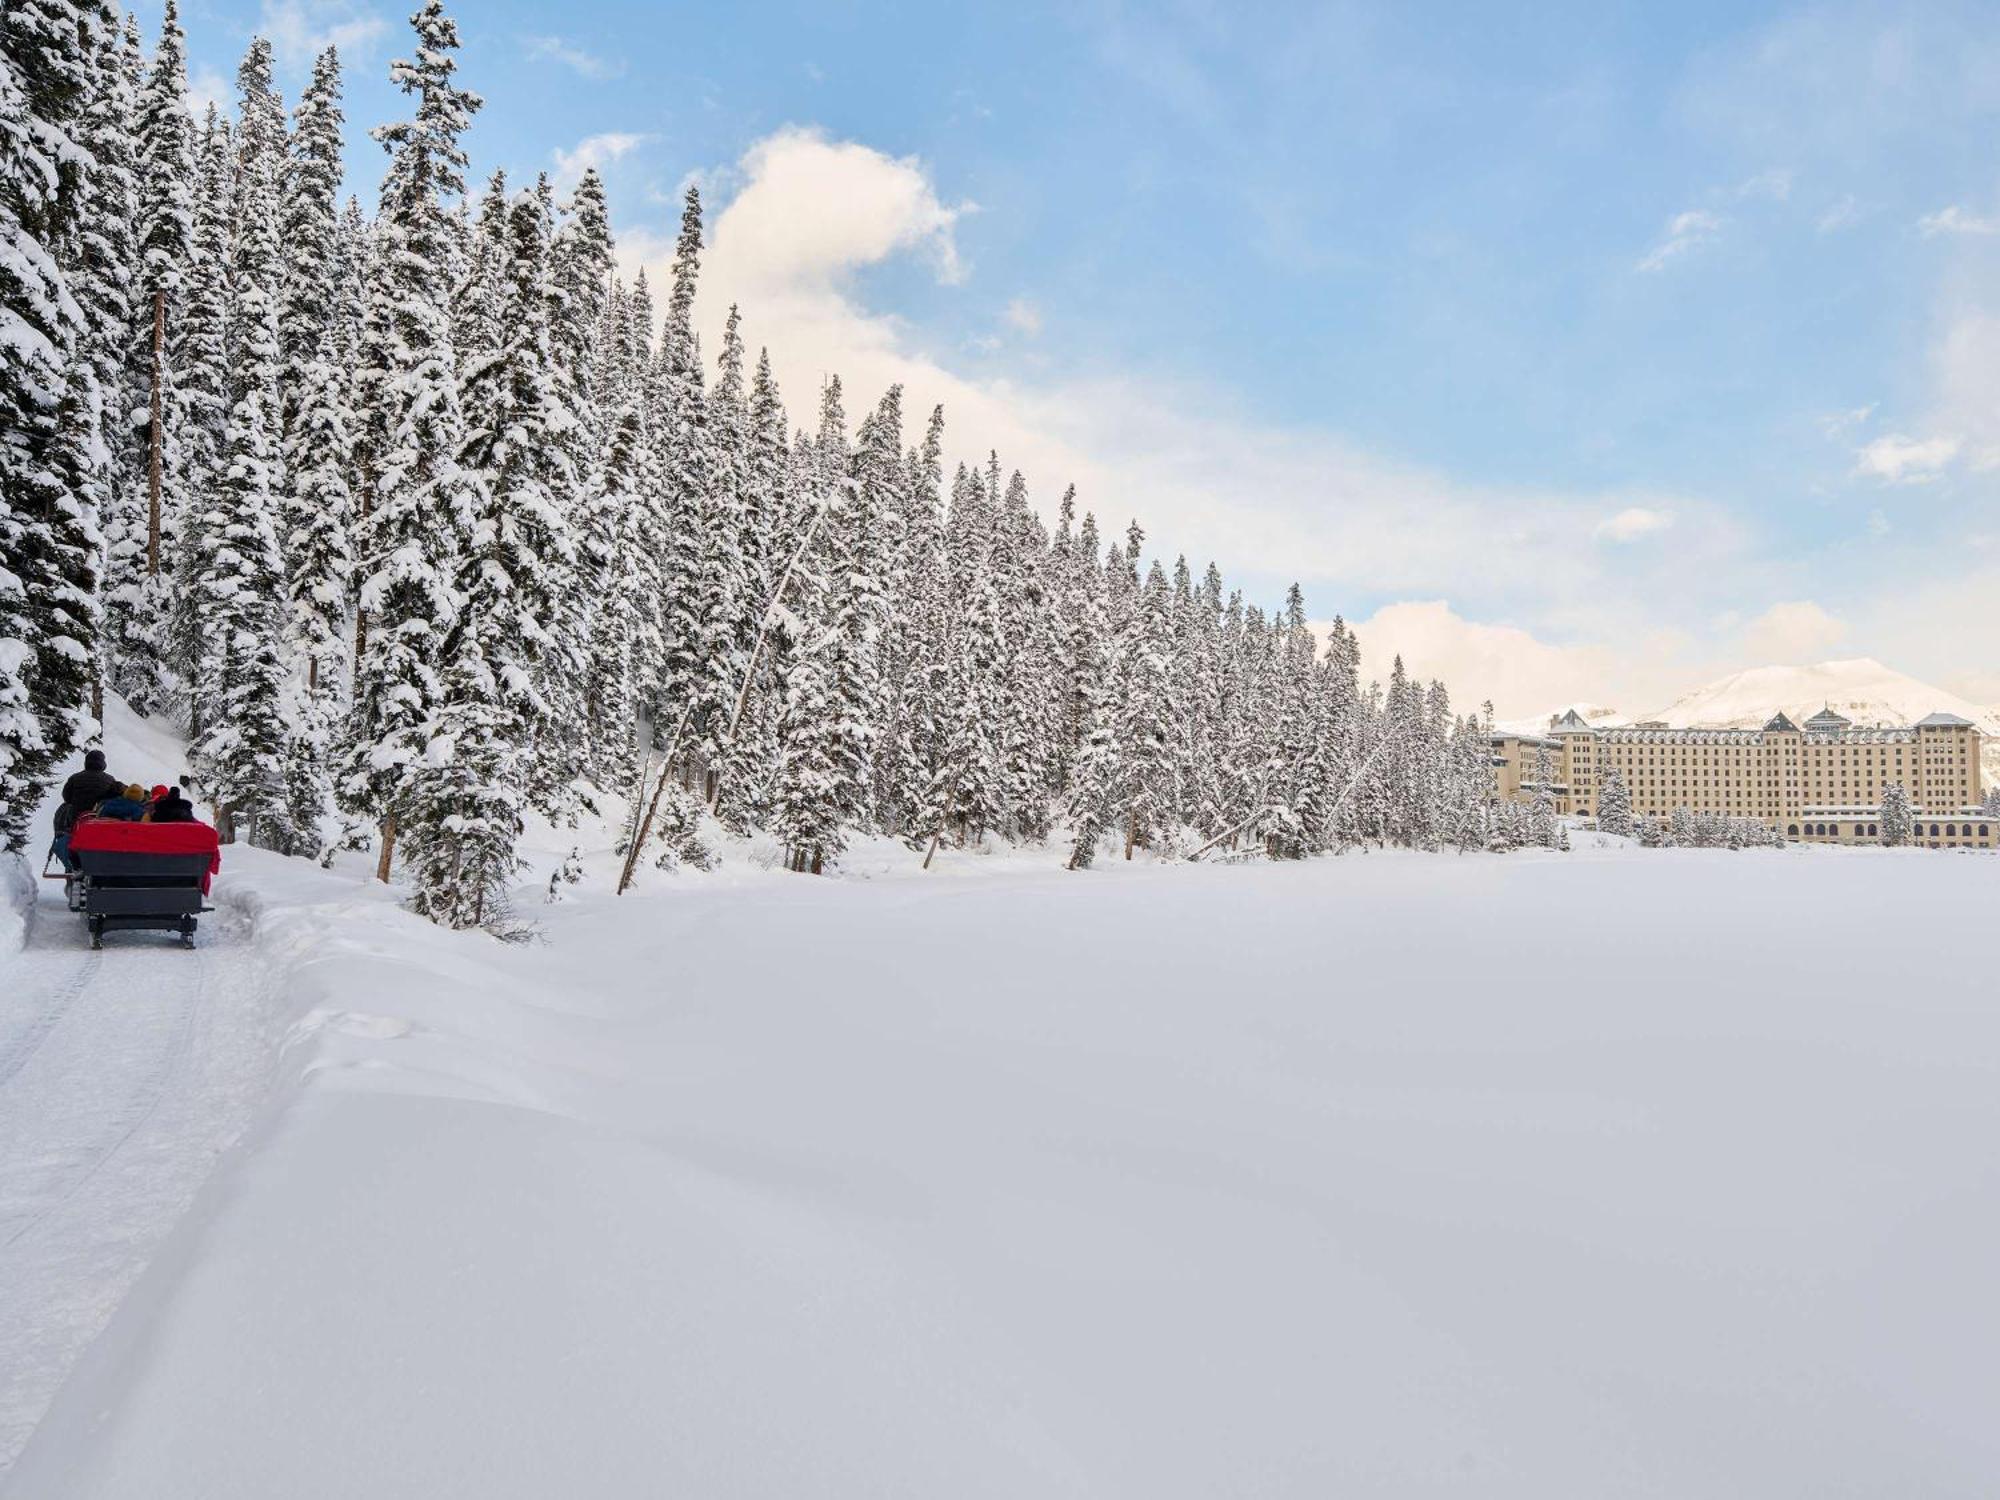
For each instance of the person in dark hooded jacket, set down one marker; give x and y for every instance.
(81, 794)
(90, 786)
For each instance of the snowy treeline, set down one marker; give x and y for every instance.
(1684, 829)
(427, 517)
(1687, 829)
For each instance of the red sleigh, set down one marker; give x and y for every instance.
(145, 876)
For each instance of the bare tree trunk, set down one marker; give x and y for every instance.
(1131, 832)
(388, 849)
(932, 850)
(155, 438)
(645, 828)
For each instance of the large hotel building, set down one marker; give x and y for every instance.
(1821, 781)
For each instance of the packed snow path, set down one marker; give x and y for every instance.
(123, 1074)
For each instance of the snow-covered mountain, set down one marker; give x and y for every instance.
(1862, 689)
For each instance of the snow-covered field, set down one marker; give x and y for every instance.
(1615, 1173)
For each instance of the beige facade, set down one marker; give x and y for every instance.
(1825, 774)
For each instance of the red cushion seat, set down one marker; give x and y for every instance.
(115, 836)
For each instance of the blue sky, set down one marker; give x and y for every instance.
(1583, 350)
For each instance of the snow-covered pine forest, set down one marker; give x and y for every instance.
(420, 521)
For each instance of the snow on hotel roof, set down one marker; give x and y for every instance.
(1755, 736)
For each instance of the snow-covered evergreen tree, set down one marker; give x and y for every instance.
(422, 502)
(1898, 819)
(311, 238)
(106, 266)
(488, 759)
(623, 633)
(244, 751)
(768, 551)
(1094, 785)
(48, 396)
(199, 355)
(811, 786)
(138, 569)
(1544, 829)
(1145, 723)
(686, 696)
(1614, 805)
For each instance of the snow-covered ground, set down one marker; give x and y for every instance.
(1617, 1173)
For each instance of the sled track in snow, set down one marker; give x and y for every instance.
(144, 1106)
(125, 1073)
(49, 1015)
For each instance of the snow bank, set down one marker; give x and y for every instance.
(17, 898)
(1586, 1174)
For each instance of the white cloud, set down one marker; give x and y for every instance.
(1633, 671)
(1632, 523)
(207, 86)
(812, 210)
(1956, 220)
(1502, 664)
(1775, 184)
(559, 50)
(1905, 460)
(1792, 634)
(1685, 231)
(299, 30)
(1838, 424)
(1839, 214)
(1023, 317)
(595, 151)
